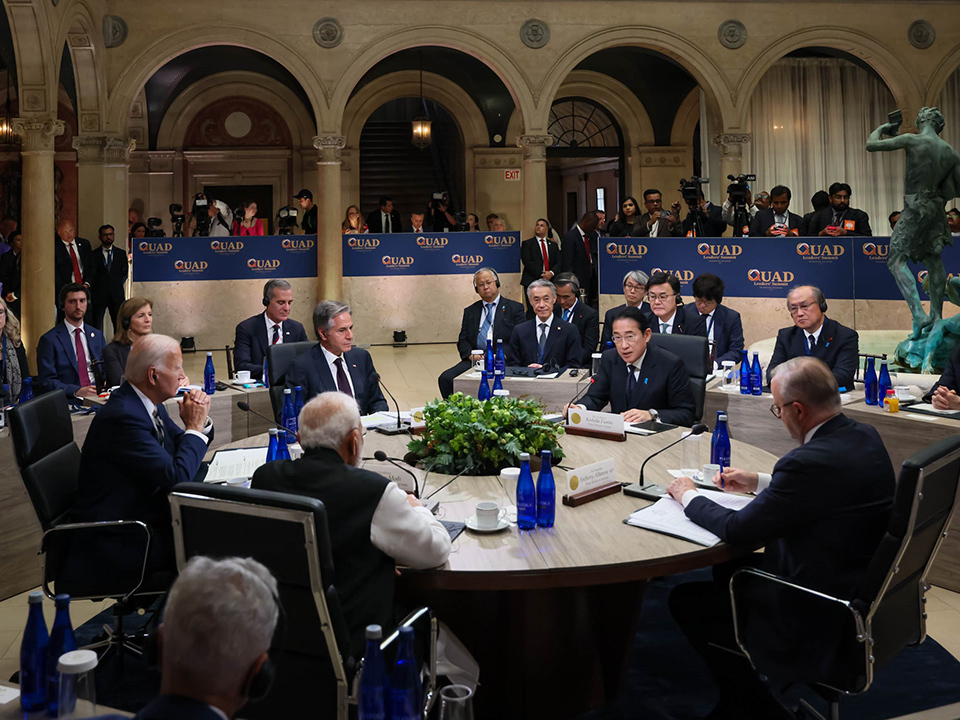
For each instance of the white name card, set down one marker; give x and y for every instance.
(417, 418)
(591, 476)
(592, 420)
(392, 472)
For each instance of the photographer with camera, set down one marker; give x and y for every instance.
(703, 218)
(440, 216)
(657, 222)
(210, 218)
(738, 210)
(776, 220)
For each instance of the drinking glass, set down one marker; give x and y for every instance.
(456, 703)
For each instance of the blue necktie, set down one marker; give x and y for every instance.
(485, 328)
(566, 315)
(810, 344)
(542, 342)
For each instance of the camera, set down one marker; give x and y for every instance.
(690, 190)
(286, 219)
(461, 217)
(154, 227)
(738, 190)
(201, 215)
(177, 219)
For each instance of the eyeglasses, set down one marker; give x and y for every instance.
(794, 309)
(628, 339)
(777, 410)
(632, 286)
(662, 297)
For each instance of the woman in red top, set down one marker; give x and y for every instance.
(250, 224)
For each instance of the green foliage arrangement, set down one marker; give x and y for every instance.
(466, 435)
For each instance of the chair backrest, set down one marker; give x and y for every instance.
(289, 535)
(694, 350)
(279, 359)
(48, 458)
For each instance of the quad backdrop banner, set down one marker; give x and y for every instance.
(430, 254)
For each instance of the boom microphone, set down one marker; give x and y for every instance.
(381, 456)
(245, 406)
(697, 429)
(388, 430)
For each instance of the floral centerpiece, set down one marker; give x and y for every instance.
(473, 437)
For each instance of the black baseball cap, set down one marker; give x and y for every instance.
(304, 194)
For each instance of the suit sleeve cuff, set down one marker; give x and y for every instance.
(199, 435)
(763, 482)
(688, 497)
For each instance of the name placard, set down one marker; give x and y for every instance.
(590, 477)
(417, 418)
(611, 423)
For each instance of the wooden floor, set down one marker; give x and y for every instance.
(411, 374)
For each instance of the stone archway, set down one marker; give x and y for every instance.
(85, 44)
(938, 81)
(37, 60)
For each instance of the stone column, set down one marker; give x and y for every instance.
(731, 156)
(103, 181)
(39, 228)
(534, 179)
(329, 214)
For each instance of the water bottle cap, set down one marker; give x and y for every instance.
(405, 630)
(524, 457)
(596, 356)
(545, 454)
(35, 598)
(374, 632)
(286, 391)
(722, 416)
(499, 342)
(299, 388)
(502, 393)
(209, 354)
(891, 392)
(77, 661)
(62, 600)
(273, 431)
(883, 362)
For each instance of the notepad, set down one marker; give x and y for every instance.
(666, 516)
(928, 409)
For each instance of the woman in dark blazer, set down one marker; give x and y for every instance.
(135, 319)
(13, 358)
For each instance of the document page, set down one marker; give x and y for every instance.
(666, 516)
(229, 464)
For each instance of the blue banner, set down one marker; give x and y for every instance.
(430, 254)
(874, 281)
(169, 259)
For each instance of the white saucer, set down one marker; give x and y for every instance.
(471, 523)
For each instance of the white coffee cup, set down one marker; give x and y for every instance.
(243, 376)
(489, 514)
(902, 392)
(708, 472)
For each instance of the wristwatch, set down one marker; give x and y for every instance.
(654, 415)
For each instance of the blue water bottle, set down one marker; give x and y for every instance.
(497, 380)
(756, 376)
(870, 387)
(373, 701)
(283, 451)
(406, 692)
(61, 641)
(526, 496)
(297, 402)
(500, 360)
(488, 358)
(884, 383)
(33, 657)
(26, 390)
(546, 492)
(288, 418)
(744, 374)
(272, 447)
(266, 373)
(720, 443)
(209, 376)
(483, 393)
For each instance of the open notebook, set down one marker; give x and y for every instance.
(666, 516)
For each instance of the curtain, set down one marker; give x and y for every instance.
(810, 119)
(950, 107)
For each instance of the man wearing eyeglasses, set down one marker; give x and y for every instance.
(813, 333)
(820, 515)
(840, 219)
(634, 288)
(663, 294)
(641, 382)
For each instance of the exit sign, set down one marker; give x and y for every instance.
(511, 174)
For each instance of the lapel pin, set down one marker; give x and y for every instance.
(645, 380)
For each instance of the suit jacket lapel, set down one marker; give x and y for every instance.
(553, 338)
(69, 347)
(356, 376)
(327, 381)
(646, 372)
(264, 336)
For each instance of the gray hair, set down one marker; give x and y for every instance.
(568, 278)
(149, 351)
(476, 275)
(220, 617)
(638, 276)
(818, 295)
(327, 420)
(809, 381)
(539, 283)
(275, 284)
(326, 311)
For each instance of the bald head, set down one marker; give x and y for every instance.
(67, 230)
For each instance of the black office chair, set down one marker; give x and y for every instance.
(288, 534)
(837, 645)
(279, 359)
(49, 460)
(694, 350)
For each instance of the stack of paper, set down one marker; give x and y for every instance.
(382, 418)
(666, 516)
(230, 464)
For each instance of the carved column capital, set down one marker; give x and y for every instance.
(103, 149)
(37, 134)
(731, 144)
(329, 147)
(535, 146)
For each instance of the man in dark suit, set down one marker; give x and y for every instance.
(73, 257)
(813, 333)
(10, 272)
(271, 327)
(656, 387)
(544, 341)
(334, 364)
(711, 220)
(492, 316)
(583, 317)
(708, 318)
(634, 290)
(386, 219)
(943, 395)
(417, 224)
(663, 292)
(108, 276)
(579, 254)
(819, 201)
(821, 516)
(776, 220)
(374, 525)
(840, 219)
(67, 354)
(539, 257)
(657, 222)
(132, 457)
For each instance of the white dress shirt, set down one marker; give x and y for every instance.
(67, 246)
(484, 310)
(86, 351)
(669, 323)
(569, 313)
(107, 250)
(270, 324)
(150, 407)
(410, 535)
(815, 335)
(541, 323)
(331, 358)
(385, 222)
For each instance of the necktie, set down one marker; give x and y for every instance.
(343, 384)
(566, 315)
(546, 255)
(663, 328)
(810, 343)
(276, 335)
(386, 223)
(631, 385)
(586, 244)
(77, 275)
(158, 423)
(108, 260)
(708, 320)
(487, 324)
(541, 344)
(81, 358)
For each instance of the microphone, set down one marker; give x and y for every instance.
(386, 429)
(245, 406)
(381, 456)
(697, 429)
(580, 393)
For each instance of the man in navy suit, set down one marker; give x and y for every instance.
(634, 290)
(492, 316)
(72, 256)
(581, 316)
(813, 333)
(666, 305)
(776, 220)
(943, 395)
(385, 219)
(271, 327)
(133, 456)
(641, 382)
(539, 258)
(544, 341)
(334, 364)
(108, 277)
(708, 318)
(67, 354)
(821, 516)
(580, 254)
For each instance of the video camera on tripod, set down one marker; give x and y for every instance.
(154, 227)
(739, 193)
(177, 218)
(286, 219)
(201, 215)
(690, 192)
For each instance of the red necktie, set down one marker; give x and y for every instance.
(586, 244)
(81, 359)
(77, 277)
(276, 334)
(546, 255)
